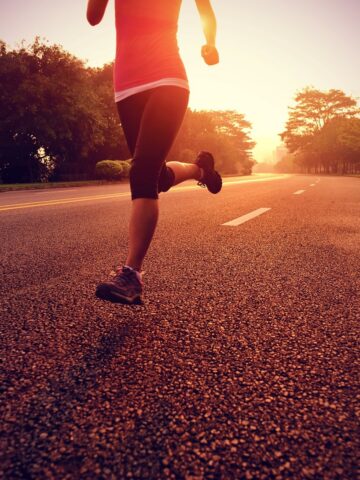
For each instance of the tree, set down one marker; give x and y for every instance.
(58, 119)
(224, 133)
(311, 127)
(349, 139)
(313, 110)
(48, 112)
(337, 145)
(113, 144)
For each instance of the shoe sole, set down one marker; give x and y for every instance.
(210, 168)
(221, 184)
(105, 293)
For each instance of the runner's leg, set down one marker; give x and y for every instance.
(184, 171)
(161, 119)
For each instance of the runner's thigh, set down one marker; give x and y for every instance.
(161, 120)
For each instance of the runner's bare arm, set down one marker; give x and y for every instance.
(95, 11)
(208, 19)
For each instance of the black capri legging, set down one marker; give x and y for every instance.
(151, 121)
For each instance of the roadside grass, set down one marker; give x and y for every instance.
(5, 187)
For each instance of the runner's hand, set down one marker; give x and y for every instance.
(210, 54)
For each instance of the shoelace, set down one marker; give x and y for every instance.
(120, 276)
(201, 184)
(124, 276)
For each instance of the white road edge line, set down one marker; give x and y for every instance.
(299, 192)
(244, 218)
(59, 191)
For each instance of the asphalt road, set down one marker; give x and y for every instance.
(242, 363)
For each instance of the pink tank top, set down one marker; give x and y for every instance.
(147, 52)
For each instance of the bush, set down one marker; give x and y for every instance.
(126, 165)
(112, 169)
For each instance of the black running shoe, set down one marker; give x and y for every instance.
(123, 286)
(211, 178)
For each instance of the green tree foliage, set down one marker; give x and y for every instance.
(46, 106)
(337, 146)
(224, 133)
(58, 119)
(323, 132)
(113, 144)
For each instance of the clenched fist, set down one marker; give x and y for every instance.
(210, 54)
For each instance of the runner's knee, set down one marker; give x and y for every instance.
(144, 179)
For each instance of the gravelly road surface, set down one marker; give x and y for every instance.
(241, 364)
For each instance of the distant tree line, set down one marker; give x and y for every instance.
(322, 134)
(58, 120)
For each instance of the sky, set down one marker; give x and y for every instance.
(269, 49)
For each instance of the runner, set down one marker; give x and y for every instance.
(151, 94)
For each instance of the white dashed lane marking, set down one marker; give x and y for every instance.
(299, 192)
(249, 216)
